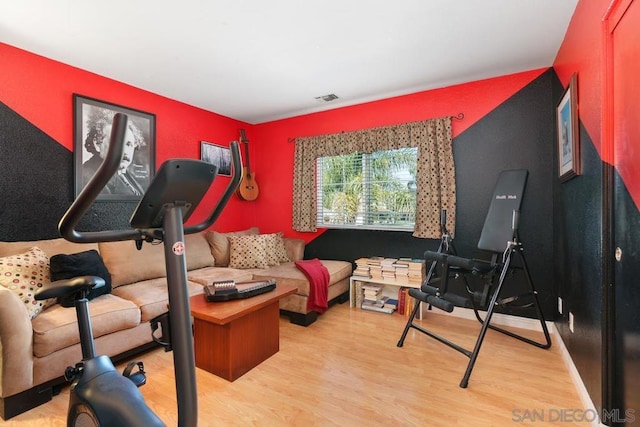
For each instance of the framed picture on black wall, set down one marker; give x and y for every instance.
(568, 132)
(91, 133)
(216, 155)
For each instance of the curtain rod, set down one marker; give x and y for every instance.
(459, 116)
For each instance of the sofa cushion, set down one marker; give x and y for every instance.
(87, 263)
(151, 296)
(295, 248)
(220, 245)
(206, 276)
(56, 327)
(25, 273)
(127, 264)
(198, 252)
(288, 274)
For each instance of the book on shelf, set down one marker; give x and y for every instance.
(391, 303)
(362, 269)
(374, 260)
(379, 302)
(401, 275)
(361, 273)
(410, 303)
(410, 261)
(358, 294)
(388, 268)
(371, 292)
(375, 271)
(361, 276)
(377, 308)
(388, 262)
(402, 300)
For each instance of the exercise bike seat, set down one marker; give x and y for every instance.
(64, 287)
(106, 388)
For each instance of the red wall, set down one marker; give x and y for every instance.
(582, 52)
(40, 90)
(274, 150)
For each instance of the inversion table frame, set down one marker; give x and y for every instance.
(502, 218)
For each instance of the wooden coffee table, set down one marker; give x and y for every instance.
(232, 337)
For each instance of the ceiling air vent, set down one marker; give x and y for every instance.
(327, 98)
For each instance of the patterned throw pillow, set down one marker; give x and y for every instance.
(219, 244)
(248, 251)
(24, 274)
(276, 250)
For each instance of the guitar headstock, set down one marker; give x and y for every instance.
(243, 136)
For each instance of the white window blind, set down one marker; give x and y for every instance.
(374, 191)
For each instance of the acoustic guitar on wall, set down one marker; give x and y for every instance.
(248, 188)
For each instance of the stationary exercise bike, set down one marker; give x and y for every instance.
(99, 395)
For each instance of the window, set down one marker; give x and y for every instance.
(435, 173)
(374, 191)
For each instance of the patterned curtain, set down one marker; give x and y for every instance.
(436, 171)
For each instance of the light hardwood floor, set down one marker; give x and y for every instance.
(345, 370)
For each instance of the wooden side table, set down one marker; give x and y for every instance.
(232, 337)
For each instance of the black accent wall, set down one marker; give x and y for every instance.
(519, 133)
(36, 185)
(35, 180)
(578, 266)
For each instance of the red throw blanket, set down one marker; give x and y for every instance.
(318, 277)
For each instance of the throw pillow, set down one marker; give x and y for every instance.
(276, 250)
(220, 245)
(87, 263)
(24, 274)
(280, 249)
(248, 251)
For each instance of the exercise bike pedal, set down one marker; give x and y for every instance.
(73, 372)
(139, 378)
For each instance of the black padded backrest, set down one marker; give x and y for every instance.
(507, 197)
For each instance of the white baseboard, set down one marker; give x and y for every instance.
(575, 376)
(496, 318)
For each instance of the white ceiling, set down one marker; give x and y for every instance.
(258, 61)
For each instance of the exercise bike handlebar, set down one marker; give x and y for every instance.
(236, 177)
(105, 172)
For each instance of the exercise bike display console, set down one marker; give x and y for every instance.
(99, 395)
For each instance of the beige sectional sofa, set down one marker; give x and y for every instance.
(35, 351)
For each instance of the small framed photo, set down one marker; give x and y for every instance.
(216, 155)
(568, 132)
(91, 135)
